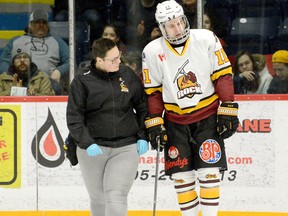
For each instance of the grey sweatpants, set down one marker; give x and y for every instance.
(109, 178)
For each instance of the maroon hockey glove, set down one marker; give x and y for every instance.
(156, 131)
(227, 119)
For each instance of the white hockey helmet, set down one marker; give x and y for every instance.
(167, 11)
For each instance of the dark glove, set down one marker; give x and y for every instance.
(227, 119)
(70, 150)
(156, 131)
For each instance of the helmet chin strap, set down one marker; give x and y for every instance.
(178, 40)
(182, 37)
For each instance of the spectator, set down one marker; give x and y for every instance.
(133, 59)
(143, 40)
(49, 53)
(156, 33)
(265, 77)
(279, 84)
(212, 23)
(250, 76)
(24, 73)
(190, 10)
(216, 11)
(142, 24)
(219, 13)
(245, 78)
(111, 32)
(207, 22)
(106, 110)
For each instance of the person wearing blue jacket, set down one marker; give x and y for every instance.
(49, 53)
(106, 111)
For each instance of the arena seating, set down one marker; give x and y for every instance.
(281, 41)
(266, 26)
(257, 8)
(254, 43)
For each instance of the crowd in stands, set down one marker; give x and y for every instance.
(49, 53)
(251, 75)
(24, 78)
(132, 25)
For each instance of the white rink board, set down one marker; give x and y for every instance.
(255, 180)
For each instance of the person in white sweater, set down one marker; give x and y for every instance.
(251, 75)
(264, 75)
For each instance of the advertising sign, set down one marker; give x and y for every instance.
(10, 148)
(33, 166)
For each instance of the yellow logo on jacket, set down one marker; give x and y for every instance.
(123, 87)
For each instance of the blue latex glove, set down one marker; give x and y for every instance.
(94, 150)
(142, 146)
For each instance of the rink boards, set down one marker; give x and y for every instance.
(36, 179)
(133, 213)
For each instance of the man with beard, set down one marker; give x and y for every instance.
(50, 53)
(24, 73)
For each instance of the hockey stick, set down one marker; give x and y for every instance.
(156, 175)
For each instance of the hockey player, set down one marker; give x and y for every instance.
(188, 79)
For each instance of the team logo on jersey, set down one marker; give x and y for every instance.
(210, 151)
(173, 152)
(186, 82)
(123, 87)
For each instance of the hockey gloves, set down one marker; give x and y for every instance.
(70, 150)
(157, 132)
(94, 150)
(227, 119)
(142, 146)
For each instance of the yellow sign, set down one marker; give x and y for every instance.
(10, 148)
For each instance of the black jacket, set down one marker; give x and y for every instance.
(108, 109)
(278, 86)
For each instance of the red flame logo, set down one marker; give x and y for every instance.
(47, 144)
